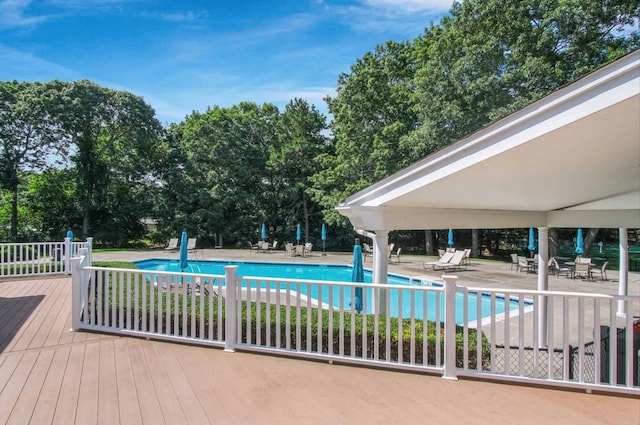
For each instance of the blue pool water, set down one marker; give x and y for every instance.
(398, 299)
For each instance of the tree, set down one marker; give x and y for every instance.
(292, 161)
(116, 138)
(27, 136)
(372, 111)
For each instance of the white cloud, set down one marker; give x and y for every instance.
(411, 6)
(31, 67)
(13, 14)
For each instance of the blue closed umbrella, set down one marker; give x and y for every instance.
(184, 254)
(263, 234)
(70, 235)
(324, 236)
(357, 275)
(299, 233)
(579, 243)
(532, 240)
(450, 240)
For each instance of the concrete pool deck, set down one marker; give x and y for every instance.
(484, 273)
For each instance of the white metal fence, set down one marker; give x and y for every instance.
(324, 320)
(38, 258)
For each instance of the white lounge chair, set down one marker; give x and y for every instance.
(443, 259)
(173, 244)
(191, 244)
(457, 262)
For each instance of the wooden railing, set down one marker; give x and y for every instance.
(410, 327)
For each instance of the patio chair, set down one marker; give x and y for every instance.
(306, 251)
(288, 249)
(602, 271)
(582, 270)
(524, 264)
(514, 261)
(173, 244)
(274, 246)
(444, 258)
(390, 249)
(191, 244)
(557, 269)
(253, 247)
(366, 250)
(396, 256)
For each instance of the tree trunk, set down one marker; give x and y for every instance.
(14, 214)
(429, 242)
(589, 239)
(305, 207)
(554, 243)
(475, 243)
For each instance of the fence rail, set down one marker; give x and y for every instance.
(38, 258)
(451, 330)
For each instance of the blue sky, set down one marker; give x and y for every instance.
(186, 55)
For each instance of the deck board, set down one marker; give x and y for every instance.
(51, 375)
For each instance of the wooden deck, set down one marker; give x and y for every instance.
(50, 375)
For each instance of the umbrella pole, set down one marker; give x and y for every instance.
(323, 253)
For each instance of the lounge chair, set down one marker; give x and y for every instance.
(274, 246)
(457, 262)
(444, 258)
(191, 244)
(253, 247)
(390, 249)
(173, 244)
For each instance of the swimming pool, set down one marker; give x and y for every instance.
(399, 300)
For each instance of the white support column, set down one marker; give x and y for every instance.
(77, 278)
(543, 283)
(89, 246)
(380, 243)
(450, 370)
(230, 319)
(623, 285)
(67, 256)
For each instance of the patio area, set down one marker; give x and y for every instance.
(51, 375)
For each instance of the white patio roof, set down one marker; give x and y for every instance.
(571, 159)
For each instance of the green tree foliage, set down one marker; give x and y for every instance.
(372, 111)
(27, 137)
(214, 179)
(116, 143)
(292, 162)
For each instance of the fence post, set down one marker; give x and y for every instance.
(67, 256)
(450, 370)
(89, 246)
(230, 319)
(77, 276)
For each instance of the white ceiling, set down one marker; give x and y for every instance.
(571, 159)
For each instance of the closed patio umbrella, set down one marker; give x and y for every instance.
(579, 242)
(70, 235)
(263, 233)
(357, 275)
(324, 236)
(299, 233)
(184, 254)
(450, 238)
(532, 241)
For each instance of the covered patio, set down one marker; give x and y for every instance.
(569, 160)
